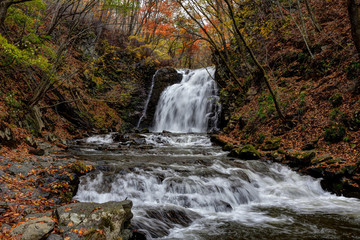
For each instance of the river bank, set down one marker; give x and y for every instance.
(36, 197)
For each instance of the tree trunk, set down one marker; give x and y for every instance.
(354, 14)
(4, 5)
(257, 63)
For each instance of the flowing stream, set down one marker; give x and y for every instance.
(183, 187)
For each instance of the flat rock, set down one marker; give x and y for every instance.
(34, 229)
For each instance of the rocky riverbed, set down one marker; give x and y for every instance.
(337, 176)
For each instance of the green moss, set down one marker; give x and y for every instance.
(106, 223)
(228, 147)
(247, 152)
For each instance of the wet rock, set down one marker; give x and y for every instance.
(270, 145)
(247, 152)
(316, 172)
(111, 217)
(34, 229)
(299, 159)
(222, 206)
(139, 141)
(158, 221)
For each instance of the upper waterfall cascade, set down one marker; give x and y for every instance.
(189, 106)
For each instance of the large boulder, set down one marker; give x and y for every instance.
(108, 220)
(164, 77)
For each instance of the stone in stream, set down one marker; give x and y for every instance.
(158, 221)
(112, 218)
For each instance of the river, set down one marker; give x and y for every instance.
(184, 187)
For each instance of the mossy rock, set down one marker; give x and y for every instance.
(228, 147)
(247, 152)
(336, 100)
(300, 159)
(322, 158)
(271, 145)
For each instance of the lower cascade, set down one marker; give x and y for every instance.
(182, 187)
(189, 106)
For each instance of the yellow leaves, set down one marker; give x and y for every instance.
(98, 80)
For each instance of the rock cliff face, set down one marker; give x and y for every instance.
(164, 77)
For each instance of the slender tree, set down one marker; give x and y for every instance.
(354, 14)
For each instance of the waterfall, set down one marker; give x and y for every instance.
(147, 100)
(189, 106)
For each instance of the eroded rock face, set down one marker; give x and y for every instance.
(34, 229)
(108, 219)
(164, 77)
